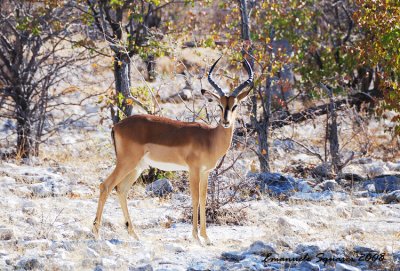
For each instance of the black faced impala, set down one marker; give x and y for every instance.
(145, 140)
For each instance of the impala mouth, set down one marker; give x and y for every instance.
(226, 124)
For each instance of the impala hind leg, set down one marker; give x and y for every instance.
(194, 179)
(203, 199)
(106, 187)
(122, 191)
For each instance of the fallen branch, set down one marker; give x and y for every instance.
(312, 112)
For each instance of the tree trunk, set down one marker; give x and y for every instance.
(333, 132)
(262, 127)
(24, 129)
(262, 130)
(333, 136)
(266, 124)
(244, 21)
(122, 69)
(24, 140)
(151, 68)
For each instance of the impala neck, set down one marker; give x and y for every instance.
(224, 137)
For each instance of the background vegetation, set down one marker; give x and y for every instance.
(313, 53)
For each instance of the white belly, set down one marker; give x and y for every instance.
(163, 165)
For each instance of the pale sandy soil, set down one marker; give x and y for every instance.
(47, 208)
(55, 227)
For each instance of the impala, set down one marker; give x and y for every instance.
(145, 140)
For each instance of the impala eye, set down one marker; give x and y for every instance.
(234, 107)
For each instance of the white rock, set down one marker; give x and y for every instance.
(181, 197)
(186, 94)
(309, 250)
(343, 212)
(293, 224)
(309, 266)
(91, 253)
(50, 188)
(313, 196)
(199, 266)
(393, 166)
(358, 212)
(340, 196)
(7, 182)
(371, 187)
(31, 161)
(109, 263)
(250, 264)
(330, 185)
(362, 160)
(23, 191)
(161, 187)
(260, 248)
(375, 169)
(64, 265)
(361, 194)
(304, 187)
(174, 248)
(29, 207)
(144, 267)
(392, 197)
(345, 267)
(6, 234)
(361, 201)
(29, 263)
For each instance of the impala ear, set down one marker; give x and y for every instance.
(244, 94)
(209, 95)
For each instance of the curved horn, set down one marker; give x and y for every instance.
(211, 80)
(247, 82)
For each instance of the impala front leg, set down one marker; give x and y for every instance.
(194, 180)
(203, 200)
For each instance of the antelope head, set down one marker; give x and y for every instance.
(229, 102)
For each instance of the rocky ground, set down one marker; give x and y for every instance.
(298, 219)
(46, 215)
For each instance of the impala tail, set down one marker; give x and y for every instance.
(113, 140)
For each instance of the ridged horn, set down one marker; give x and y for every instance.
(246, 83)
(212, 82)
